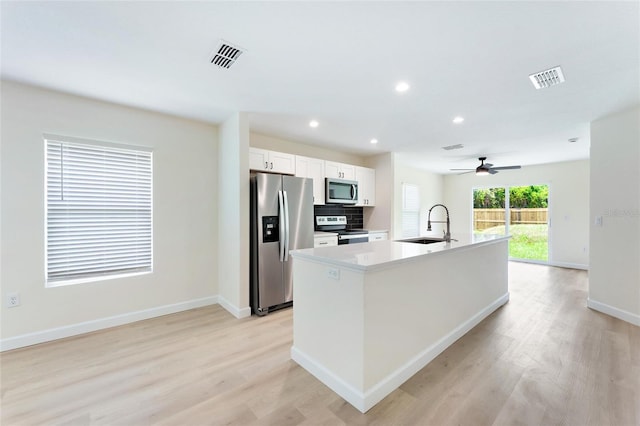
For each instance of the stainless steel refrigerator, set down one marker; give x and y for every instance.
(281, 220)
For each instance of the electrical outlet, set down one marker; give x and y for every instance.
(333, 273)
(13, 300)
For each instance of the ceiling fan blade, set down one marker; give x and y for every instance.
(506, 168)
(492, 171)
(453, 170)
(464, 173)
(488, 164)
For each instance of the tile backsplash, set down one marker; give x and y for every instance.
(354, 214)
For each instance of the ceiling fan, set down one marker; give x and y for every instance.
(486, 168)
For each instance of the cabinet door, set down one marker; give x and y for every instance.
(312, 168)
(332, 170)
(339, 170)
(258, 159)
(280, 162)
(348, 172)
(366, 186)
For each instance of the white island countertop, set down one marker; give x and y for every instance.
(382, 254)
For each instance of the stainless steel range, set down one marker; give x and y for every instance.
(338, 224)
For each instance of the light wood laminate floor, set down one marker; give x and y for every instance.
(542, 359)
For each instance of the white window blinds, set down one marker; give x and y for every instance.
(98, 210)
(410, 210)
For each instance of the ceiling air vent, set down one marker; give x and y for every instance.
(450, 147)
(547, 78)
(226, 54)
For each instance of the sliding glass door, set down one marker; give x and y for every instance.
(489, 211)
(520, 211)
(528, 222)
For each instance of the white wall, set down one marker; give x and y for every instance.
(568, 205)
(614, 273)
(184, 215)
(233, 219)
(431, 186)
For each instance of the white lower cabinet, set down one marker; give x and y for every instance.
(325, 241)
(378, 236)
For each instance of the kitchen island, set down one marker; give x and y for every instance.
(369, 316)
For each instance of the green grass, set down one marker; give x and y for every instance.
(527, 241)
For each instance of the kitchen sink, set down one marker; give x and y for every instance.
(422, 240)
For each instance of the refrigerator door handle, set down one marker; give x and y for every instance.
(286, 225)
(281, 219)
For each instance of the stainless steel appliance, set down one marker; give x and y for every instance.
(281, 220)
(341, 191)
(339, 224)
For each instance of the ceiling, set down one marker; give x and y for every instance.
(338, 63)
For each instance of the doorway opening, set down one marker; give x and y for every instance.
(520, 211)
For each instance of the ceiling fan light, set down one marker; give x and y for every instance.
(481, 171)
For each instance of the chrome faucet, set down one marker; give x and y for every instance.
(447, 233)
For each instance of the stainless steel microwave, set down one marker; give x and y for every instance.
(341, 191)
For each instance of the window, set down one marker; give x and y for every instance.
(410, 210)
(98, 210)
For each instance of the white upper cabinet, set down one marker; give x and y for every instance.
(339, 170)
(312, 168)
(272, 161)
(366, 186)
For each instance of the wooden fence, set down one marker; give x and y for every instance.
(487, 218)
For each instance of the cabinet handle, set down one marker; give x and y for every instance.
(324, 243)
(271, 166)
(266, 165)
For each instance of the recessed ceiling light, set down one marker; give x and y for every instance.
(374, 141)
(458, 120)
(313, 123)
(402, 86)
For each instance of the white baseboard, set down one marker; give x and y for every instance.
(101, 323)
(614, 312)
(233, 309)
(350, 394)
(569, 265)
(558, 264)
(363, 401)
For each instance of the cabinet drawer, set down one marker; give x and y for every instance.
(325, 241)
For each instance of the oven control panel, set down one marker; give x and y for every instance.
(331, 220)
